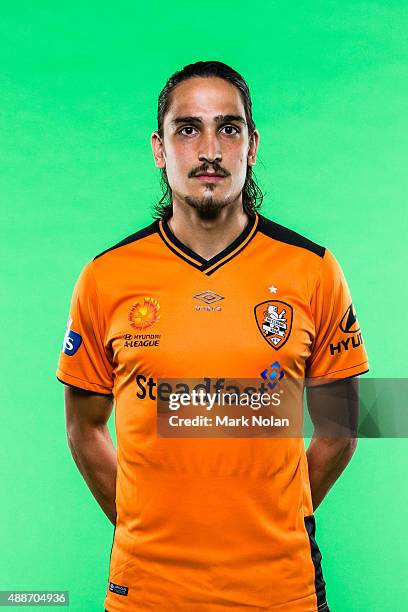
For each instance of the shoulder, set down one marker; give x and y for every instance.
(283, 234)
(136, 237)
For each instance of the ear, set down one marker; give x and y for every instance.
(158, 150)
(253, 148)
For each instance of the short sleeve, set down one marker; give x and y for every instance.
(337, 350)
(84, 361)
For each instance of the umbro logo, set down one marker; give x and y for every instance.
(209, 297)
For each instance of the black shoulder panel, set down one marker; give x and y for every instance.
(284, 234)
(142, 233)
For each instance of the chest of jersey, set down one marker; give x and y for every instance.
(173, 320)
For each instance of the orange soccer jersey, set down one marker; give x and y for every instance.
(210, 524)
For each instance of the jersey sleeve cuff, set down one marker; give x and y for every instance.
(74, 381)
(328, 377)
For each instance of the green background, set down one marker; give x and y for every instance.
(78, 89)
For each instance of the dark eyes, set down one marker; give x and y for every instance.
(187, 130)
(229, 127)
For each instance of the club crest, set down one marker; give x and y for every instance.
(274, 320)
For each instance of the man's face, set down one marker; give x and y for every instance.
(205, 133)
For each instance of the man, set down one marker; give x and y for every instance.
(210, 289)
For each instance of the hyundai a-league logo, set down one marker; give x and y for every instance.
(144, 313)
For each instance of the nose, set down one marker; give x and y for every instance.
(210, 149)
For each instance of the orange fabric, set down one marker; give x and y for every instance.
(207, 524)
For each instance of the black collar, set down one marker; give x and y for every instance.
(208, 266)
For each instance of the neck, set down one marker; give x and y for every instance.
(206, 237)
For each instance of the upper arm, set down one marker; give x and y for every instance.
(337, 349)
(84, 409)
(334, 408)
(85, 359)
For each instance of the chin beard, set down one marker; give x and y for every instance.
(207, 208)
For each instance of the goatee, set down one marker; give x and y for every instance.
(208, 209)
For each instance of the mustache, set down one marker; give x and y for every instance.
(216, 168)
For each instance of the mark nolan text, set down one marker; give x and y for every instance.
(225, 421)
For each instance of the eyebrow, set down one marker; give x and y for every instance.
(199, 120)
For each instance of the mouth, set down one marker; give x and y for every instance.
(209, 178)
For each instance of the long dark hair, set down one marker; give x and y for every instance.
(252, 195)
